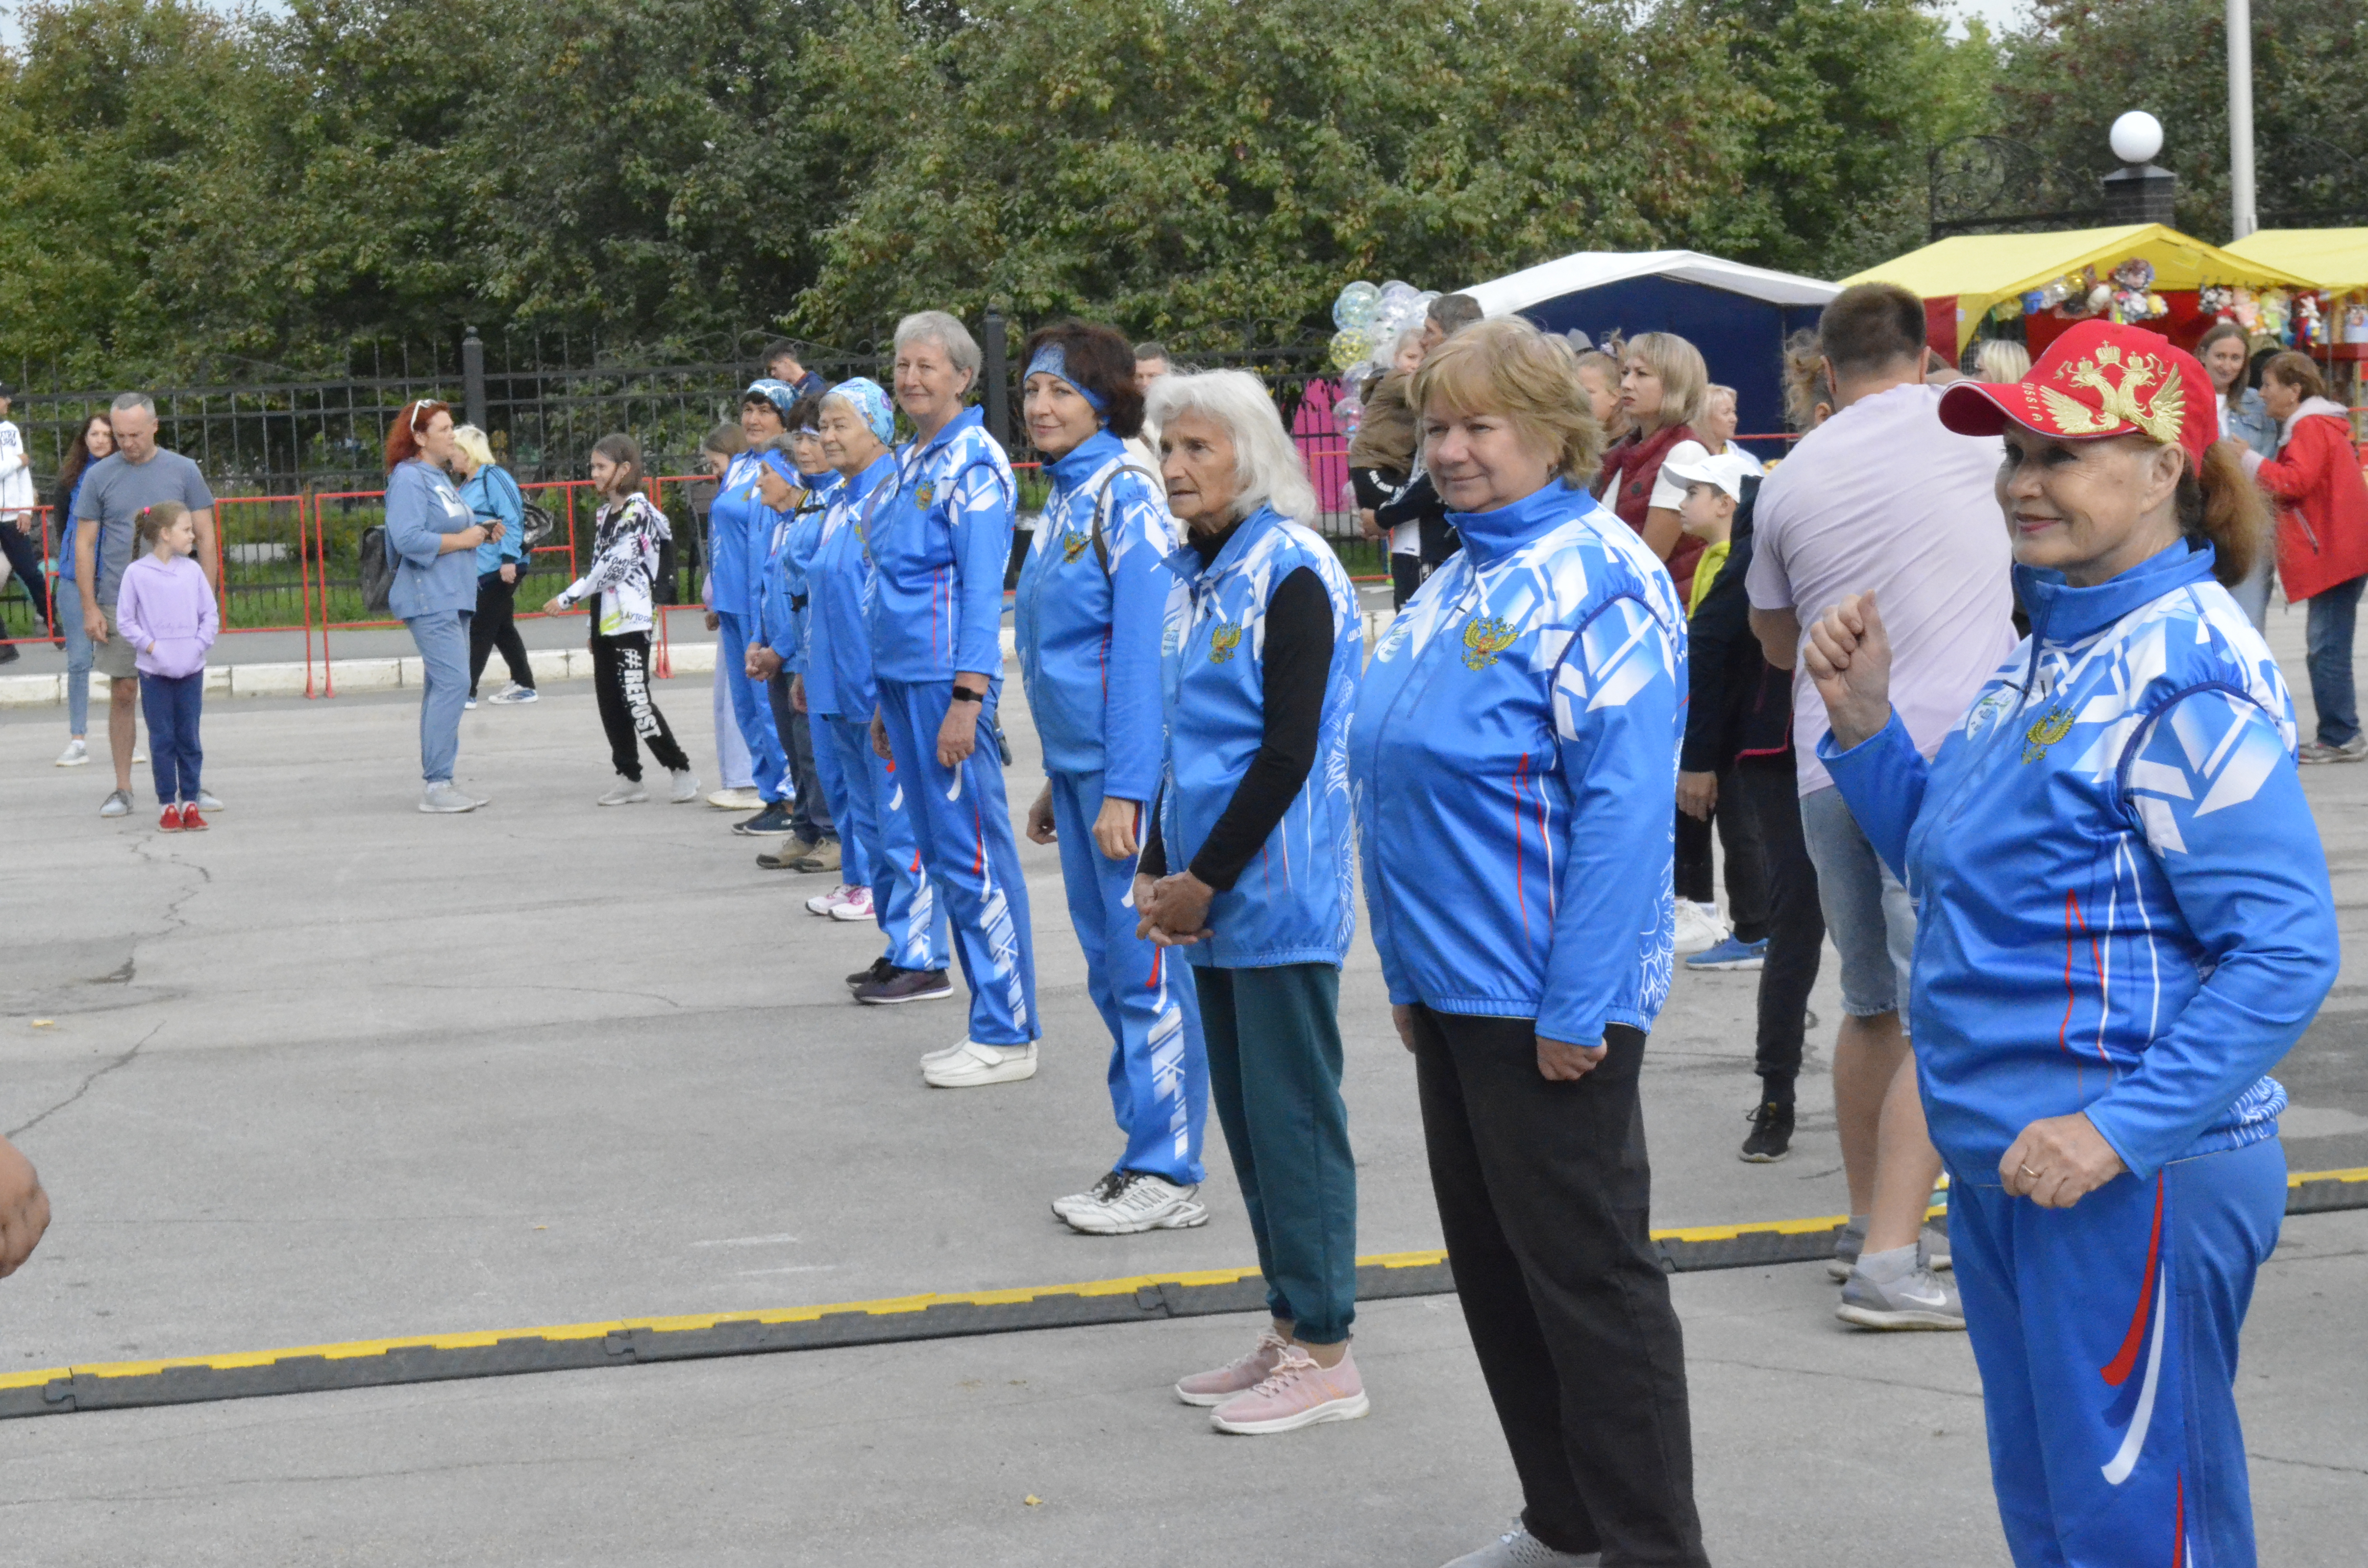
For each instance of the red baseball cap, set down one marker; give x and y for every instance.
(2099, 378)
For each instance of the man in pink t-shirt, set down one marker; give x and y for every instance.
(1881, 498)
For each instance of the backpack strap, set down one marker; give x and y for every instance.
(1110, 476)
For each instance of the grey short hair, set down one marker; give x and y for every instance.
(947, 333)
(1266, 462)
(126, 402)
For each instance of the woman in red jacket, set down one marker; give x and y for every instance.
(2322, 538)
(1663, 385)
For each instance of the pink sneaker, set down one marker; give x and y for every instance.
(855, 906)
(1207, 1389)
(1297, 1394)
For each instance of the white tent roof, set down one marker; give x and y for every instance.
(1593, 269)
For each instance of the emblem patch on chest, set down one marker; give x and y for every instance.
(926, 493)
(1073, 544)
(1222, 641)
(2045, 730)
(1485, 637)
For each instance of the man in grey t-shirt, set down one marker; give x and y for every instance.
(139, 474)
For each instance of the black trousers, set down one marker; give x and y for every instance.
(1746, 874)
(621, 680)
(493, 627)
(1406, 576)
(1543, 1191)
(24, 561)
(1767, 790)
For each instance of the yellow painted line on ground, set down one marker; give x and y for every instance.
(353, 1348)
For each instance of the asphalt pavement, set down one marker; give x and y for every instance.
(336, 1070)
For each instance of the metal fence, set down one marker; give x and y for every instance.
(297, 469)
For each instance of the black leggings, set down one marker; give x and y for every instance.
(1746, 872)
(1543, 1194)
(1767, 790)
(621, 680)
(25, 559)
(492, 628)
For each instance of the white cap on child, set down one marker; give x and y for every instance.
(1690, 462)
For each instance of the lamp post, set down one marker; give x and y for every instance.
(2242, 218)
(2138, 192)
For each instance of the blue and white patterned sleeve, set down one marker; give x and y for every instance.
(1615, 717)
(1139, 537)
(2219, 801)
(979, 517)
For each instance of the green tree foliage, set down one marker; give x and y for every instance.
(2086, 61)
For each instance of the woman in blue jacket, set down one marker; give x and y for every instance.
(2123, 921)
(738, 527)
(1246, 870)
(884, 876)
(940, 542)
(432, 540)
(797, 485)
(1091, 608)
(1514, 757)
(495, 498)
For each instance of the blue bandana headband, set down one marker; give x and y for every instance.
(780, 394)
(780, 462)
(871, 403)
(1053, 360)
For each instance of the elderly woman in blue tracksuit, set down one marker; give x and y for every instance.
(738, 528)
(797, 485)
(432, 540)
(1513, 757)
(884, 876)
(2124, 920)
(940, 541)
(1246, 870)
(1091, 608)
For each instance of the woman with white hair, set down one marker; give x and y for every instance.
(495, 498)
(940, 541)
(1245, 869)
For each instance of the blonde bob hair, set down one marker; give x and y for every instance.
(1685, 379)
(473, 446)
(1266, 462)
(1505, 365)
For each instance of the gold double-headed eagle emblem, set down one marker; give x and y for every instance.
(2126, 401)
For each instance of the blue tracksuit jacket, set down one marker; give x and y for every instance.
(840, 587)
(1513, 757)
(783, 605)
(736, 525)
(494, 496)
(940, 545)
(1296, 902)
(1088, 622)
(2121, 902)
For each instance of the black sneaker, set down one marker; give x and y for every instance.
(772, 821)
(1771, 1134)
(906, 985)
(880, 969)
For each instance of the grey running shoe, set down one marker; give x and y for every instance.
(1847, 1242)
(1516, 1548)
(625, 793)
(1918, 1299)
(906, 985)
(686, 784)
(1933, 1248)
(76, 754)
(2352, 750)
(119, 804)
(206, 802)
(442, 798)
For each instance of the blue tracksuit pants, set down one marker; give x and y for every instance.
(876, 847)
(2106, 1335)
(1158, 1067)
(751, 708)
(965, 829)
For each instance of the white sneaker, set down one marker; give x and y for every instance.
(856, 905)
(971, 1065)
(625, 793)
(947, 1054)
(1699, 928)
(1516, 1548)
(76, 754)
(686, 784)
(1140, 1203)
(512, 693)
(206, 802)
(470, 705)
(823, 903)
(441, 798)
(1105, 1188)
(736, 801)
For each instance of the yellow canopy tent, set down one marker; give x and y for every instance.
(2335, 260)
(1975, 271)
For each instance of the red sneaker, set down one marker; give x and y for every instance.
(190, 820)
(171, 821)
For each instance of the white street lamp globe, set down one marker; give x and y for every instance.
(2138, 137)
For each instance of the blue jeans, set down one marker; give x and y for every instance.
(172, 705)
(2326, 636)
(1868, 914)
(443, 640)
(77, 660)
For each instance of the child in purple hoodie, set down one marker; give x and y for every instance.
(166, 612)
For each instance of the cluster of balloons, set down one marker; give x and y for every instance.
(1371, 317)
